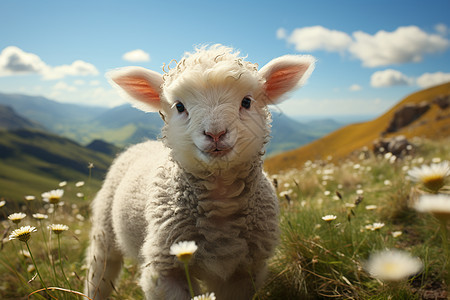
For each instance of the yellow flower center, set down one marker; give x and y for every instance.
(53, 199)
(184, 257)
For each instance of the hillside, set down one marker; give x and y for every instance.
(433, 124)
(32, 162)
(10, 120)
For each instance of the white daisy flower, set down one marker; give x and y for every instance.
(392, 265)
(377, 226)
(39, 216)
(207, 296)
(183, 250)
(329, 218)
(23, 234)
(58, 228)
(16, 217)
(62, 183)
(371, 207)
(431, 176)
(30, 197)
(79, 184)
(2, 203)
(53, 196)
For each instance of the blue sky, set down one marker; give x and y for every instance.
(370, 54)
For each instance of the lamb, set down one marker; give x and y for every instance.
(202, 182)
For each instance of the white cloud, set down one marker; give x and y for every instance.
(77, 68)
(442, 29)
(318, 38)
(431, 79)
(137, 55)
(62, 86)
(389, 77)
(404, 45)
(15, 61)
(355, 88)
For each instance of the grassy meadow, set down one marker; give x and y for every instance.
(334, 216)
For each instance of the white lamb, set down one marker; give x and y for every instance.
(203, 182)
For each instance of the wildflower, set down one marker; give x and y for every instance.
(432, 176)
(329, 218)
(371, 207)
(369, 227)
(31, 268)
(23, 234)
(58, 228)
(396, 234)
(183, 250)
(62, 183)
(53, 196)
(39, 216)
(30, 197)
(359, 192)
(207, 296)
(16, 217)
(377, 226)
(90, 165)
(80, 195)
(350, 205)
(438, 205)
(2, 203)
(387, 182)
(79, 184)
(392, 265)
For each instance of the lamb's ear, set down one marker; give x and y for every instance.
(142, 87)
(285, 73)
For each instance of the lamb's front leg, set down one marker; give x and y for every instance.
(171, 285)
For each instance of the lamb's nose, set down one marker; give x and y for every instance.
(215, 136)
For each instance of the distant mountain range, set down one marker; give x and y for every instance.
(125, 125)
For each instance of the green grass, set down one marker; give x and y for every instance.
(315, 259)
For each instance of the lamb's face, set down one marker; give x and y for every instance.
(214, 104)
(216, 121)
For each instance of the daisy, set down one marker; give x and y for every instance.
(329, 218)
(79, 184)
(396, 234)
(371, 207)
(392, 265)
(62, 183)
(23, 234)
(377, 226)
(432, 176)
(207, 296)
(58, 228)
(39, 216)
(438, 205)
(2, 203)
(183, 250)
(30, 198)
(53, 196)
(16, 217)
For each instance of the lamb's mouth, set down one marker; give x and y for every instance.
(217, 152)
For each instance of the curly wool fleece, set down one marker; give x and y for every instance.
(204, 182)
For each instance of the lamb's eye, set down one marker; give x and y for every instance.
(180, 107)
(246, 102)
